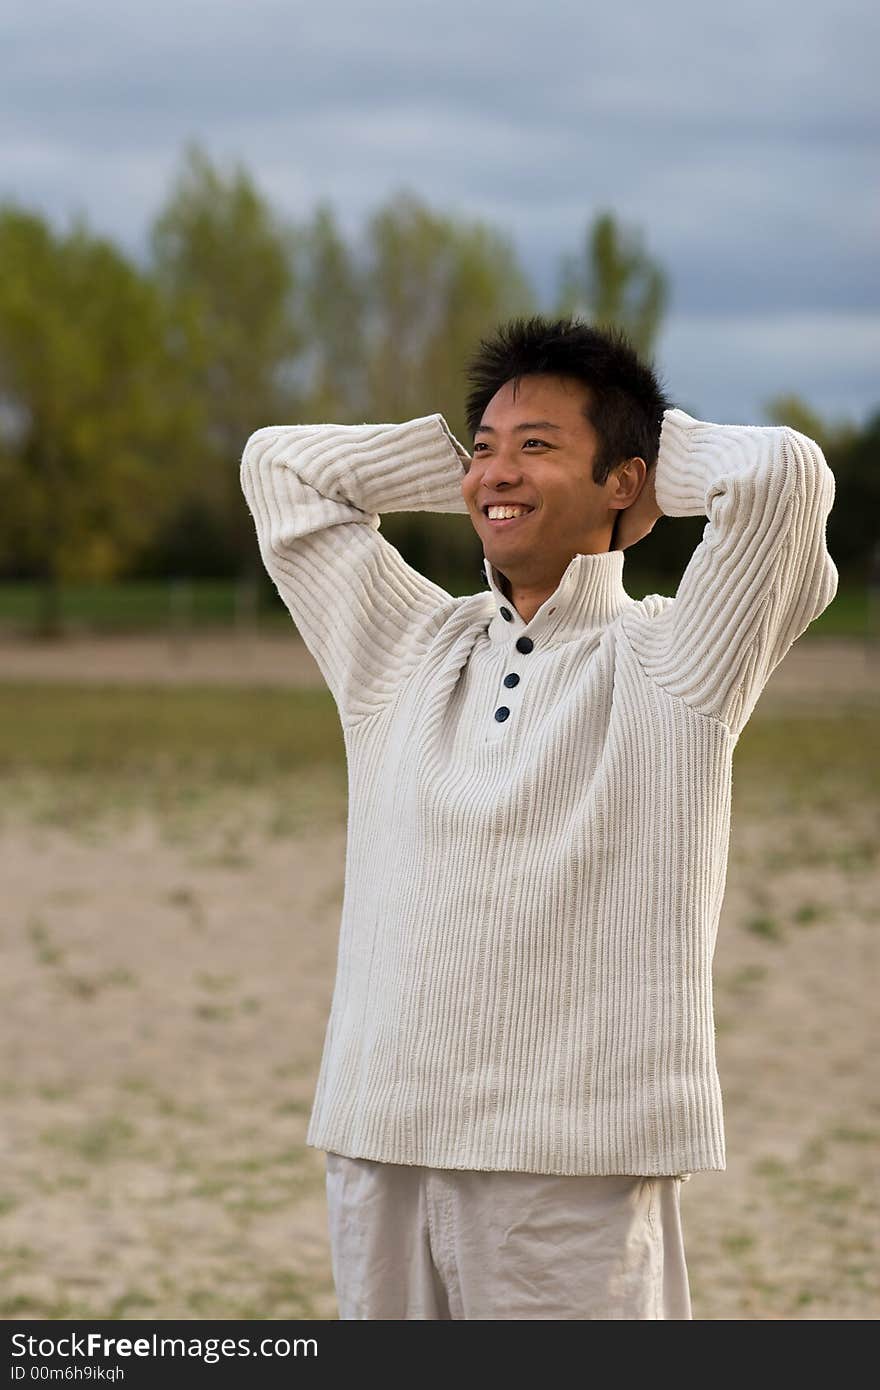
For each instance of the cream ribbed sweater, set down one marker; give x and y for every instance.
(524, 974)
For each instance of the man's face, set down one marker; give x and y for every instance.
(538, 450)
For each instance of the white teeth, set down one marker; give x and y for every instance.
(502, 513)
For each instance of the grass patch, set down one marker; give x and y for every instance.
(161, 605)
(72, 755)
(766, 927)
(807, 914)
(772, 1168)
(99, 1141)
(845, 1135)
(807, 761)
(129, 1304)
(746, 977)
(44, 949)
(737, 1242)
(237, 736)
(195, 759)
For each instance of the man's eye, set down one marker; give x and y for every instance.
(481, 445)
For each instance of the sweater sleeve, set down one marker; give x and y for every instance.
(315, 493)
(762, 571)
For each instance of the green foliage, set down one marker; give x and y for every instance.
(127, 393)
(219, 250)
(390, 331)
(87, 390)
(330, 298)
(171, 605)
(614, 283)
(223, 263)
(853, 454)
(434, 286)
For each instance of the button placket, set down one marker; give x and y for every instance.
(510, 681)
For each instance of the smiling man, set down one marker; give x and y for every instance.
(533, 497)
(519, 1065)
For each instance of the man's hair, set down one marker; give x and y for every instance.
(625, 402)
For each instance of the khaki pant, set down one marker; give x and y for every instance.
(410, 1242)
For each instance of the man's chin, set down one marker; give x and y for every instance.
(498, 573)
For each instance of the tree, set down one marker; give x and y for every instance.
(85, 388)
(790, 409)
(330, 298)
(224, 264)
(852, 453)
(614, 283)
(434, 286)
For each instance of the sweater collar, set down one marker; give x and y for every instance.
(588, 596)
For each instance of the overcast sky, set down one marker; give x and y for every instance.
(742, 142)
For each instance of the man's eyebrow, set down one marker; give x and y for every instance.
(527, 425)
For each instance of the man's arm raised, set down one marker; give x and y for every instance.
(316, 493)
(762, 571)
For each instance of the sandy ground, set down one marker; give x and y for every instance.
(164, 996)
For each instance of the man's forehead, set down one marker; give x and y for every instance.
(550, 403)
(523, 425)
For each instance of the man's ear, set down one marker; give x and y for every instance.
(627, 469)
(644, 472)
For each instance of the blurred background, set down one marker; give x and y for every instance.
(216, 219)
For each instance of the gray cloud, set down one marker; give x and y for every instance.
(742, 143)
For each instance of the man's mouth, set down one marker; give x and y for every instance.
(500, 517)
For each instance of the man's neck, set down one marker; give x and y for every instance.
(526, 599)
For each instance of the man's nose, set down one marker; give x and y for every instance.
(502, 467)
